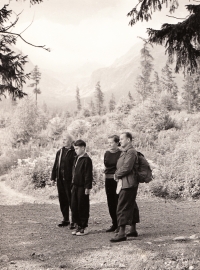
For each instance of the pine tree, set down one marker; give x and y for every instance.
(130, 96)
(92, 108)
(157, 83)
(99, 99)
(12, 75)
(124, 105)
(143, 82)
(45, 107)
(112, 103)
(78, 100)
(35, 76)
(181, 39)
(168, 84)
(191, 93)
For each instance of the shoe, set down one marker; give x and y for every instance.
(72, 226)
(111, 229)
(117, 230)
(133, 234)
(76, 231)
(64, 223)
(118, 238)
(82, 231)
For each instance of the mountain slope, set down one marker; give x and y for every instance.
(121, 76)
(58, 89)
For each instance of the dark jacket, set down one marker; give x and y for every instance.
(82, 172)
(126, 165)
(68, 164)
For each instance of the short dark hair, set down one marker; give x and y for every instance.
(128, 135)
(115, 139)
(80, 143)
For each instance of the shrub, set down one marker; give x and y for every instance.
(11, 157)
(78, 128)
(179, 170)
(41, 172)
(55, 127)
(150, 118)
(168, 103)
(26, 121)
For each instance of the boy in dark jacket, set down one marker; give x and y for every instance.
(82, 184)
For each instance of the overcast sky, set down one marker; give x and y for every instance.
(80, 31)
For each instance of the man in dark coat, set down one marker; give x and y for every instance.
(125, 175)
(62, 172)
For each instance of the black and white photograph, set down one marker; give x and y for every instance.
(99, 134)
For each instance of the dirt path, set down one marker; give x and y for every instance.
(9, 196)
(30, 238)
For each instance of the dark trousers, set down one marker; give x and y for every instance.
(64, 196)
(127, 209)
(112, 199)
(80, 206)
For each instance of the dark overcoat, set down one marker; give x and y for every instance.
(68, 165)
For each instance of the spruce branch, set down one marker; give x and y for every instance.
(19, 35)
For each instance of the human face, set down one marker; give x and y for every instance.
(124, 141)
(66, 142)
(80, 150)
(112, 144)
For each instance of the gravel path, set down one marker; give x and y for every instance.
(30, 238)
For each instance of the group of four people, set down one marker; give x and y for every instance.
(73, 171)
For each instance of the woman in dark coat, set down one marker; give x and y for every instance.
(110, 161)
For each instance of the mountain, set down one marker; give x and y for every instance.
(120, 77)
(58, 88)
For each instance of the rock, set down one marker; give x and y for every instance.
(122, 266)
(4, 258)
(12, 262)
(180, 238)
(63, 266)
(194, 236)
(150, 243)
(191, 267)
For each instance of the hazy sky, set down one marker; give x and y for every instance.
(80, 31)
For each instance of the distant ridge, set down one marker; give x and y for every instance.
(59, 89)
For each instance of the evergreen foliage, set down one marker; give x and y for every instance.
(124, 105)
(35, 76)
(168, 83)
(78, 100)
(130, 96)
(191, 93)
(143, 82)
(12, 74)
(181, 40)
(26, 122)
(157, 88)
(92, 108)
(99, 99)
(112, 103)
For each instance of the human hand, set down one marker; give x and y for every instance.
(52, 183)
(115, 178)
(87, 191)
